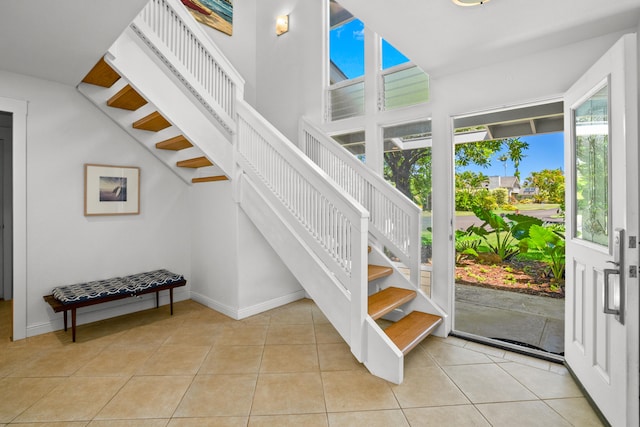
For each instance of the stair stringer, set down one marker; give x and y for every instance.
(420, 303)
(319, 282)
(383, 359)
(132, 59)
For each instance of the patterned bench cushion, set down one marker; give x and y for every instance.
(116, 286)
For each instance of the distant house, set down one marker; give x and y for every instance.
(529, 191)
(510, 183)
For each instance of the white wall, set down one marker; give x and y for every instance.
(214, 247)
(240, 48)
(65, 131)
(290, 67)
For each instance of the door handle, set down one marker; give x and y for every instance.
(607, 309)
(618, 312)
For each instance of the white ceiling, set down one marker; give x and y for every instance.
(443, 38)
(60, 40)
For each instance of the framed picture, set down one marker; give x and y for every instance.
(216, 14)
(111, 190)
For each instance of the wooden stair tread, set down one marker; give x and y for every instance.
(176, 143)
(209, 179)
(198, 162)
(407, 332)
(378, 271)
(127, 98)
(154, 122)
(388, 300)
(101, 75)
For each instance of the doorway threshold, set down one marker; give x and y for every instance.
(524, 349)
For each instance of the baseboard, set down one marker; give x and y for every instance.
(107, 310)
(243, 313)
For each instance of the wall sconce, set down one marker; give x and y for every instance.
(282, 24)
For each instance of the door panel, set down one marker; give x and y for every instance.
(602, 202)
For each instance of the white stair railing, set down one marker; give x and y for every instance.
(395, 221)
(329, 221)
(332, 224)
(167, 27)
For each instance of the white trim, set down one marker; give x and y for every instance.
(19, 110)
(242, 313)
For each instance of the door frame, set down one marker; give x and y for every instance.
(18, 109)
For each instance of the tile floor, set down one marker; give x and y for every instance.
(286, 367)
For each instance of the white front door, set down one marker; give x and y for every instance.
(602, 203)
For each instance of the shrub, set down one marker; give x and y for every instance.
(501, 195)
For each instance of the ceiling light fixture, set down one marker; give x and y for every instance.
(469, 2)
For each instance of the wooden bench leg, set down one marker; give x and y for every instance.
(171, 299)
(73, 324)
(65, 320)
(157, 299)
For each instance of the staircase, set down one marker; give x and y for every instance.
(123, 96)
(167, 85)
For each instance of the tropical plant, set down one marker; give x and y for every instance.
(466, 244)
(500, 233)
(550, 242)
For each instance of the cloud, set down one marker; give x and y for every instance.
(358, 35)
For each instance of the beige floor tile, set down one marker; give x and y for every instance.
(458, 342)
(196, 334)
(175, 360)
(293, 314)
(487, 383)
(209, 422)
(158, 422)
(143, 335)
(218, 395)
(356, 391)
(18, 394)
(318, 316)
(54, 424)
(15, 357)
(147, 397)
(545, 384)
(386, 418)
(246, 334)
(485, 349)
(528, 360)
(57, 363)
(337, 357)
(116, 362)
(232, 359)
(291, 334)
(446, 416)
(428, 387)
(522, 414)
(290, 358)
(298, 393)
(326, 333)
(576, 410)
(306, 420)
(418, 360)
(75, 399)
(448, 355)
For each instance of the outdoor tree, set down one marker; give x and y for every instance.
(550, 184)
(516, 149)
(401, 166)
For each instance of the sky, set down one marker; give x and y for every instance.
(347, 50)
(546, 151)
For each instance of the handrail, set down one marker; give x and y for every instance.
(336, 224)
(167, 27)
(395, 220)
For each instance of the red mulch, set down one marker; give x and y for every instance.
(531, 277)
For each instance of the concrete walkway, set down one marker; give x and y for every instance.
(534, 320)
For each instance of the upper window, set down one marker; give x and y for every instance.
(346, 50)
(391, 56)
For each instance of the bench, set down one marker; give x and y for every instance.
(72, 297)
